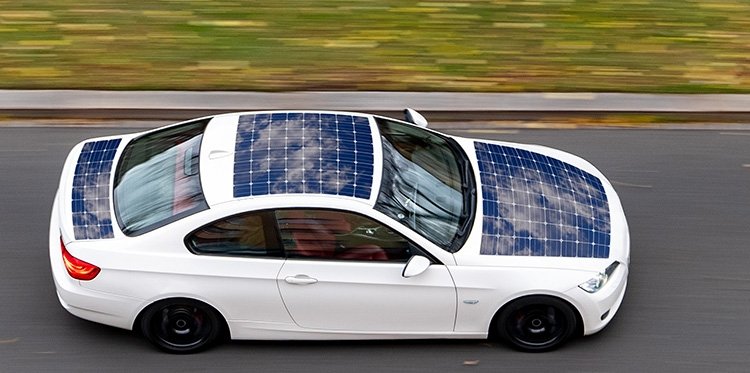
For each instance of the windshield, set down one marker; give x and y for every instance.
(157, 180)
(427, 183)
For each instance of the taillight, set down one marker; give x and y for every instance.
(77, 268)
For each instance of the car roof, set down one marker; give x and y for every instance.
(318, 154)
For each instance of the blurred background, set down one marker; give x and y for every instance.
(657, 46)
(687, 304)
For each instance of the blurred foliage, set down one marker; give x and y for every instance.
(434, 45)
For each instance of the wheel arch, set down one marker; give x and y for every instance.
(492, 329)
(225, 330)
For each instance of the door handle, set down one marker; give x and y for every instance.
(300, 280)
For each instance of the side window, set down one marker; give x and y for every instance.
(339, 236)
(250, 234)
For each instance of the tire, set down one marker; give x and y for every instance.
(181, 326)
(536, 323)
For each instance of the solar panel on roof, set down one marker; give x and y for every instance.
(540, 206)
(92, 218)
(303, 153)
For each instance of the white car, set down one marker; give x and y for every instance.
(335, 225)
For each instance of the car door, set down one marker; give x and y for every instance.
(344, 272)
(245, 256)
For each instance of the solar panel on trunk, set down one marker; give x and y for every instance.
(92, 218)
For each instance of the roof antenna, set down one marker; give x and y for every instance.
(413, 116)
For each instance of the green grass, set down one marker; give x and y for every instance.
(683, 46)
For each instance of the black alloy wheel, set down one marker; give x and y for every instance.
(536, 323)
(181, 326)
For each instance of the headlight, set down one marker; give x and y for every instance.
(597, 282)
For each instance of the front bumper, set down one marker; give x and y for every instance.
(598, 309)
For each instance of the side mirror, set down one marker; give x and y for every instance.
(412, 116)
(415, 266)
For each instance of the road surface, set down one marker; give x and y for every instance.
(686, 195)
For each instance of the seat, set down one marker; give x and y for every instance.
(315, 236)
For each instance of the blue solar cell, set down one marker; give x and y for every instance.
(365, 157)
(259, 188)
(364, 172)
(553, 248)
(347, 157)
(538, 205)
(242, 189)
(242, 167)
(314, 153)
(92, 218)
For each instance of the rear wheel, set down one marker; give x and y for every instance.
(181, 326)
(536, 323)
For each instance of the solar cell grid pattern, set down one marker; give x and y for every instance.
(535, 205)
(92, 218)
(316, 153)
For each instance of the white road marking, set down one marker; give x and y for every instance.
(632, 185)
(489, 131)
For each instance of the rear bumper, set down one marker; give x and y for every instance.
(98, 307)
(108, 309)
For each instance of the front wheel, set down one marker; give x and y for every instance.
(536, 323)
(180, 326)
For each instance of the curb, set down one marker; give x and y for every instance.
(371, 101)
(578, 109)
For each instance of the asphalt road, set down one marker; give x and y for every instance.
(686, 195)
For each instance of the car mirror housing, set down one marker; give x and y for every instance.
(416, 265)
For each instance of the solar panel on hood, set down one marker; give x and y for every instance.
(316, 153)
(540, 206)
(92, 218)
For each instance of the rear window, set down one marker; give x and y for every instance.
(158, 180)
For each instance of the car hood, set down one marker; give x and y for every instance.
(539, 206)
